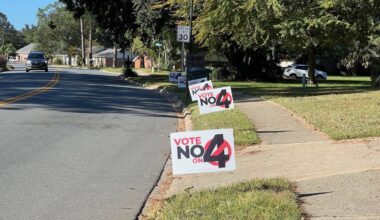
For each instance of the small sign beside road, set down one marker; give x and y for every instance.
(203, 151)
(183, 34)
(182, 82)
(173, 77)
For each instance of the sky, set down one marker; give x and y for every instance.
(21, 12)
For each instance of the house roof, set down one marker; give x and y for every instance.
(27, 48)
(110, 52)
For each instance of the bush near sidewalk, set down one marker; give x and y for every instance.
(256, 199)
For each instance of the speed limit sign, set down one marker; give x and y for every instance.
(183, 34)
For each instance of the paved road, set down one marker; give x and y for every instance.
(91, 147)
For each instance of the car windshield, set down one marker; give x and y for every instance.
(36, 56)
(301, 67)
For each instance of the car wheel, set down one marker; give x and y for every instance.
(46, 69)
(319, 77)
(293, 76)
(27, 70)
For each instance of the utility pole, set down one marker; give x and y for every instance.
(191, 26)
(190, 49)
(2, 46)
(114, 63)
(90, 44)
(83, 42)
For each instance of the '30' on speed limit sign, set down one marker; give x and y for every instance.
(183, 34)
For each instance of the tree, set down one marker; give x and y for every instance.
(115, 17)
(28, 33)
(57, 30)
(313, 24)
(7, 49)
(9, 35)
(242, 30)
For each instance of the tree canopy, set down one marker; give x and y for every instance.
(115, 17)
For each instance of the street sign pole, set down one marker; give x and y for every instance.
(183, 57)
(184, 36)
(190, 46)
(191, 27)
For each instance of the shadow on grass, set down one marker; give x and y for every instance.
(295, 89)
(284, 88)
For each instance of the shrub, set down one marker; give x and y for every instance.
(58, 61)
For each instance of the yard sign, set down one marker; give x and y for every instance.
(198, 88)
(173, 77)
(203, 151)
(181, 82)
(215, 100)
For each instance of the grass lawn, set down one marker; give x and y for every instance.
(161, 80)
(341, 107)
(344, 116)
(9, 67)
(112, 70)
(334, 85)
(244, 132)
(257, 199)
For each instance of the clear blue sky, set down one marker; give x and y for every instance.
(21, 12)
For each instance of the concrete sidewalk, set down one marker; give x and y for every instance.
(274, 124)
(335, 180)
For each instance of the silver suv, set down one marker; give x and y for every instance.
(298, 70)
(36, 61)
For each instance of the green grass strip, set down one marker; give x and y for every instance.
(256, 199)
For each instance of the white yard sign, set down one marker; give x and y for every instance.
(203, 151)
(198, 88)
(215, 100)
(181, 82)
(183, 34)
(196, 81)
(173, 77)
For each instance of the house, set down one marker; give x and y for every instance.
(105, 58)
(74, 59)
(143, 61)
(22, 53)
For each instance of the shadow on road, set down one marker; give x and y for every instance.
(87, 93)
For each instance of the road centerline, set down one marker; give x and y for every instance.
(32, 93)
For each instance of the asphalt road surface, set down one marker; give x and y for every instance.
(79, 144)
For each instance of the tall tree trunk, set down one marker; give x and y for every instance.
(312, 64)
(83, 42)
(123, 58)
(90, 45)
(375, 72)
(114, 63)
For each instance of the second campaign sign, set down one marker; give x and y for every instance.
(215, 100)
(203, 151)
(198, 88)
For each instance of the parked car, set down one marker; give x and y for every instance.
(11, 59)
(298, 70)
(36, 61)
